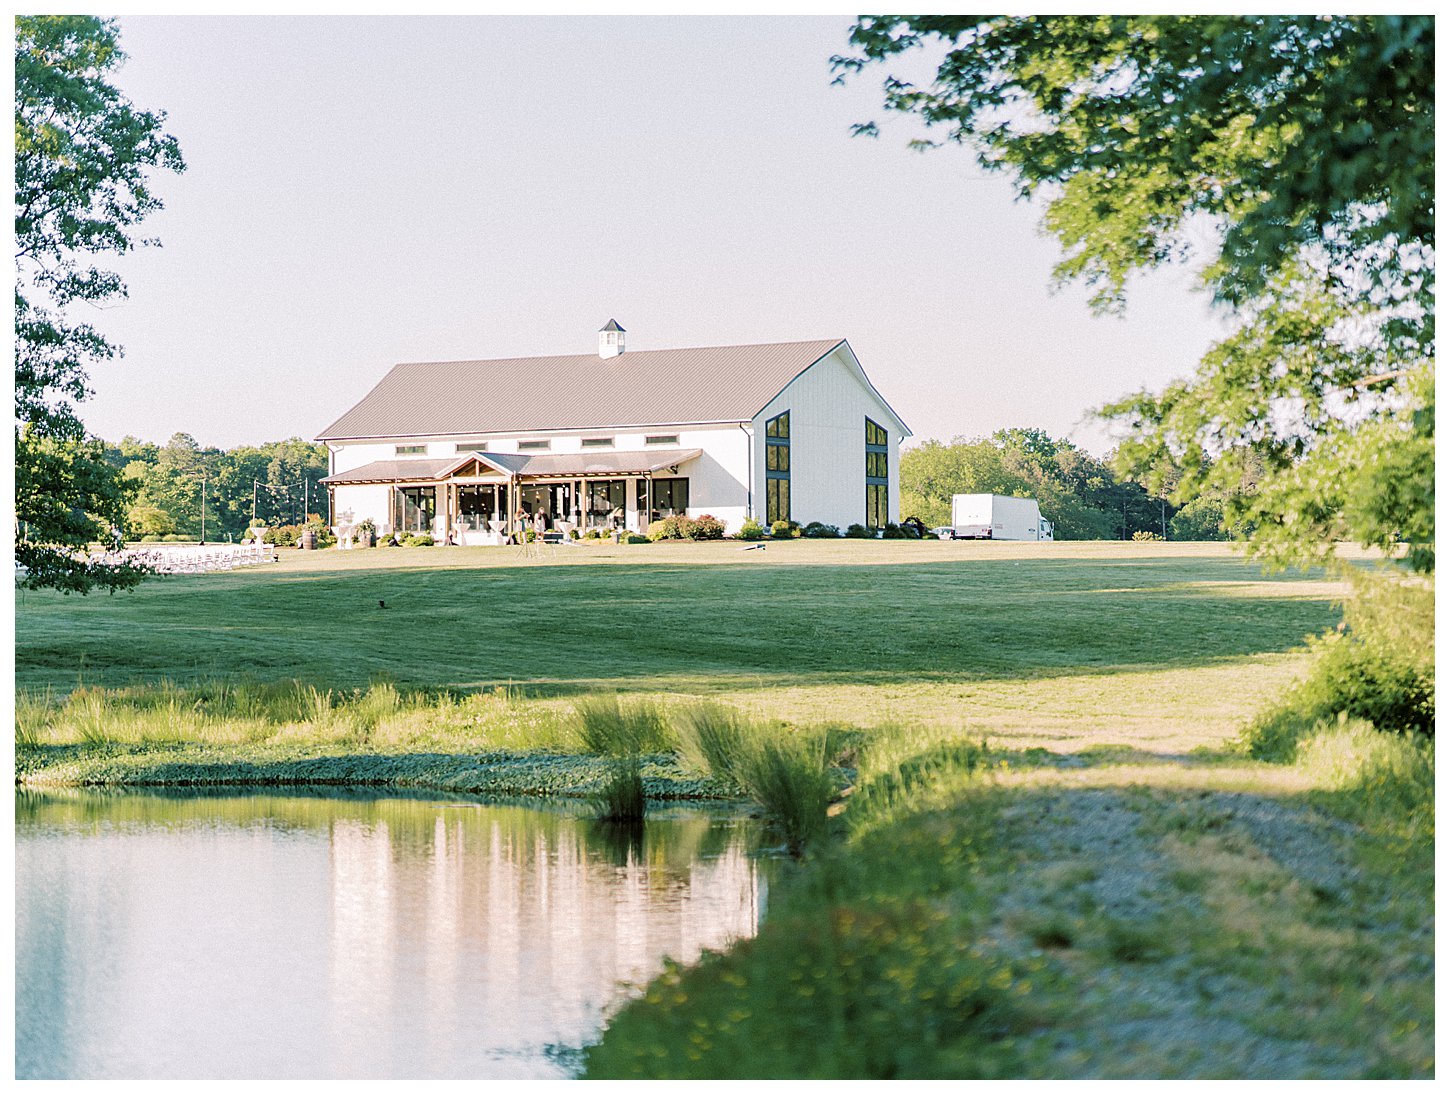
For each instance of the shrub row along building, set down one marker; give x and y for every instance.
(790, 431)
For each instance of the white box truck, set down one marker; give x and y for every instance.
(997, 517)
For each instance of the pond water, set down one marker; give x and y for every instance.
(336, 936)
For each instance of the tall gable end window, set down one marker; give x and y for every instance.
(777, 469)
(877, 473)
(410, 450)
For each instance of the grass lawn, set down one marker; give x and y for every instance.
(1164, 646)
(1054, 861)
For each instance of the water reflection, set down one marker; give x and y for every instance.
(351, 937)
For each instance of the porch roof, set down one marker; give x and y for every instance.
(523, 465)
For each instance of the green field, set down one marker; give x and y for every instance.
(1166, 646)
(1055, 860)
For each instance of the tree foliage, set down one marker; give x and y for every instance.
(172, 482)
(1294, 157)
(1079, 494)
(83, 159)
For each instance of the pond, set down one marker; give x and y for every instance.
(349, 936)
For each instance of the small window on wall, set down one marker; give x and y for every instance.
(777, 469)
(409, 450)
(471, 446)
(597, 443)
(533, 446)
(662, 439)
(878, 467)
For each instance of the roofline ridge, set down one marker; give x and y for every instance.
(619, 357)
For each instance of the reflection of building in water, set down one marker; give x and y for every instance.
(542, 917)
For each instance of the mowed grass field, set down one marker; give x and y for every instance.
(1158, 646)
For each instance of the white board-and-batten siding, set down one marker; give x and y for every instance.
(829, 404)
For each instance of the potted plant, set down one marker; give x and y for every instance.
(367, 533)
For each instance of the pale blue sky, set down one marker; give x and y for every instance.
(364, 191)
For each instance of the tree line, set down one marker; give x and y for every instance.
(1081, 495)
(180, 488)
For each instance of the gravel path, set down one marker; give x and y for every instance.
(1141, 899)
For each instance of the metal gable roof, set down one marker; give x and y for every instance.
(579, 391)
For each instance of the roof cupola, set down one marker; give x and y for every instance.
(611, 340)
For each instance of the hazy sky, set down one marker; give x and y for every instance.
(363, 191)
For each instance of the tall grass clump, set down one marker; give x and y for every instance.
(88, 715)
(315, 705)
(788, 775)
(33, 713)
(620, 799)
(613, 729)
(711, 739)
(905, 768)
(1383, 781)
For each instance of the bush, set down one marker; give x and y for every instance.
(573, 534)
(857, 532)
(892, 531)
(633, 538)
(282, 535)
(612, 729)
(1142, 536)
(1358, 677)
(751, 530)
(781, 530)
(705, 527)
(421, 539)
(668, 528)
(817, 531)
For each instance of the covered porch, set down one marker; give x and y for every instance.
(485, 498)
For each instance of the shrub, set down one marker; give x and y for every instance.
(668, 528)
(1363, 678)
(633, 538)
(612, 729)
(780, 530)
(282, 535)
(817, 531)
(1142, 536)
(573, 534)
(892, 531)
(620, 798)
(705, 527)
(530, 535)
(421, 539)
(857, 532)
(751, 530)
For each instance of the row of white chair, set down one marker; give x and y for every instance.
(198, 559)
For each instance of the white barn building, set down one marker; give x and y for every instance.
(782, 431)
